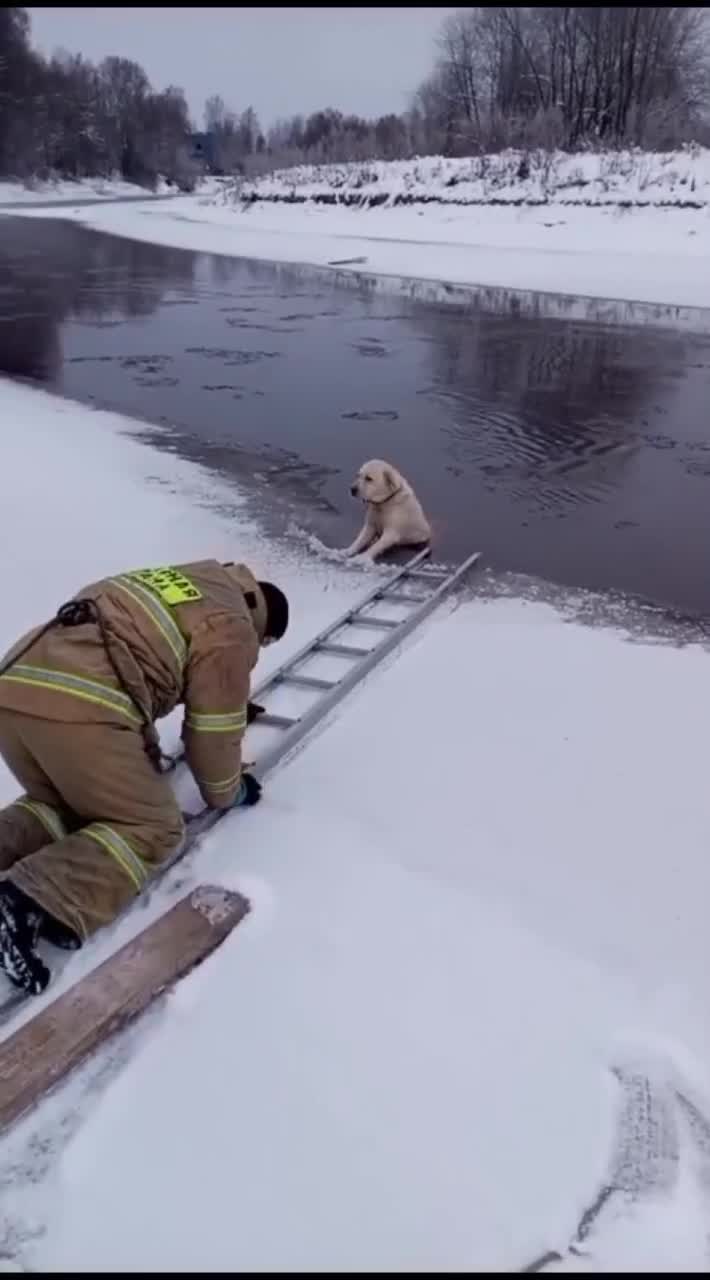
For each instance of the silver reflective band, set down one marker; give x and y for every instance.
(159, 614)
(205, 722)
(48, 817)
(103, 695)
(120, 850)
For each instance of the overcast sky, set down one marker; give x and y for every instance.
(280, 61)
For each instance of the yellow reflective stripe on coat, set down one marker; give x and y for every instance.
(225, 722)
(127, 859)
(49, 817)
(158, 613)
(226, 784)
(103, 695)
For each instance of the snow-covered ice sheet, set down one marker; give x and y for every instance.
(480, 886)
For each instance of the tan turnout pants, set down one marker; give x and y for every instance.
(96, 820)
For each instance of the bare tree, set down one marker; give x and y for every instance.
(532, 77)
(69, 117)
(215, 112)
(124, 89)
(248, 131)
(162, 141)
(20, 72)
(567, 75)
(232, 138)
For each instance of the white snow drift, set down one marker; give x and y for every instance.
(474, 892)
(632, 177)
(35, 192)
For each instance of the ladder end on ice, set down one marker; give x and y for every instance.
(434, 586)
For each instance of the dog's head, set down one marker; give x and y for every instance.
(376, 481)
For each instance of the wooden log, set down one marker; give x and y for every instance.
(42, 1052)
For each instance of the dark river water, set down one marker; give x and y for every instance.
(558, 444)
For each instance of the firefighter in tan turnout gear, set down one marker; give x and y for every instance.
(79, 697)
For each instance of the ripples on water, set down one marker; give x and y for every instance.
(565, 438)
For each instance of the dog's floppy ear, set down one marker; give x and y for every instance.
(389, 478)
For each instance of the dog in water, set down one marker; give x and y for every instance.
(393, 515)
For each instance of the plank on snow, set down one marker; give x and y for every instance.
(66, 1032)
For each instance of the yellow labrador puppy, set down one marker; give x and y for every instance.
(393, 516)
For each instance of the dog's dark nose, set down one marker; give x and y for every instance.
(353, 490)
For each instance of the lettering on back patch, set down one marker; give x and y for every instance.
(171, 585)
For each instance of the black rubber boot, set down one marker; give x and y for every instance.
(58, 934)
(20, 921)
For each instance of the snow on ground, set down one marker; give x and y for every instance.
(645, 255)
(34, 192)
(479, 889)
(509, 177)
(644, 178)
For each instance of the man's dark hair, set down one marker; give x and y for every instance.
(276, 610)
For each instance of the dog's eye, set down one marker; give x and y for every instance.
(368, 477)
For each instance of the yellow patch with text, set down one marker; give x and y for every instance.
(171, 585)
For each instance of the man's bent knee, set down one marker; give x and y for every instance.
(162, 840)
(87, 879)
(138, 851)
(27, 825)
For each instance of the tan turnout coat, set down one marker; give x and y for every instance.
(96, 816)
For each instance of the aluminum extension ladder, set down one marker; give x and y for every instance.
(434, 584)
(360, 661)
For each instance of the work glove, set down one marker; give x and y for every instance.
(254, 710)
(249, 792)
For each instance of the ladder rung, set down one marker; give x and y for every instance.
(308, 682)
(382, 624)
(275, 722)
(410, 599)
(427, 575)
(342, 651)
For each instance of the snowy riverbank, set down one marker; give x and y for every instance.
(18, 196)
(636, 178)
(65, 190)
(475, 892)
(638, 255)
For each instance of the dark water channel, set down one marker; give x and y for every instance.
(562, 446)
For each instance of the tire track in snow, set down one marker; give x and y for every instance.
(698, 1129)
(646, 1158)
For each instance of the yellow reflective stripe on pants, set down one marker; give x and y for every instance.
(49, 817)
(158, 614)
(127, 859)
(225, 784)
(205, 722)
(103, 695)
